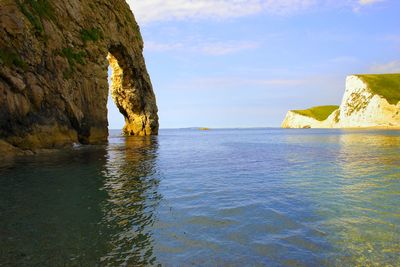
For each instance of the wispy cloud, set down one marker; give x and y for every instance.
(389, 67)
(392, 38)
(233, 82)
(160, 10)
(208, 48)
(369, 2)
(225, 48)
(148, 11)
(344, 60)
(364, 3)
(162, 47)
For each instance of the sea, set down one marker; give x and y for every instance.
(218, 197)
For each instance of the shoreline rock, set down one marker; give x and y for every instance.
(54, 73)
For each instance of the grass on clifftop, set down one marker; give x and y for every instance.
(385, 85)
(319, 113)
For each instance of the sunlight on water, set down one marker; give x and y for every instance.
(222, 197)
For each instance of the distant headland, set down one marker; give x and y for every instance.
(369, 101)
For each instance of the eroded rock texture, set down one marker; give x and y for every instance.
(53, 74)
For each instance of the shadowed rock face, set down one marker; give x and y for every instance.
(54, 58)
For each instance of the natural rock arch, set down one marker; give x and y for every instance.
(53, 74)
(129, 95)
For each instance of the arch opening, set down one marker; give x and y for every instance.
(116, 119)
(132, 94)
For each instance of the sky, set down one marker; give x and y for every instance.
(238, 63)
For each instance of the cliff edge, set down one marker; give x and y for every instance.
(369, 101)
(54, 59)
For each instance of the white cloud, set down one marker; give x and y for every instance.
(225, 48)
(369, 2)
(160, 10)
(233, 82)
(207, 48)
(392, 38)
(363, 3)
(344, 60)
(389, 67)
(162, 47)
(147, 11)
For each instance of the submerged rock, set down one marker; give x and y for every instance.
(369, 101)
(54, 59)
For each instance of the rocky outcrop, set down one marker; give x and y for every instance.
(365, 105)
(54, 58)
(369, 101)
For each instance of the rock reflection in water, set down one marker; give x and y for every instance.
(229, 197)
(131, 184)
(84, 207)
(49, 209)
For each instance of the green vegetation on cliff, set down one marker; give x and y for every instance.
(385, 85)
(93, 34)
(319, 113)
(35, 11)
(73, 58)
(10, 58)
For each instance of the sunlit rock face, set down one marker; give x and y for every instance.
(360, 108)
(53, 74)
(295, 120)
(136, 103)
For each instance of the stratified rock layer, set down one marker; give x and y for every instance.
(362, 106)
(53, 74)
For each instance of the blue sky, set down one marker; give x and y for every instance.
(220, 63)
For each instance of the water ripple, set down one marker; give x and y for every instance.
(260, 197)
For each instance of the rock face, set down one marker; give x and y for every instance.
(369, 101)
(362, 106)
(54, 59)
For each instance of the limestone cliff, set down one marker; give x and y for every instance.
(315, 117)
(368, 101)
(54, 58)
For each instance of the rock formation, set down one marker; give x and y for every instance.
(315, 117)
(369, 101)
(54, 57)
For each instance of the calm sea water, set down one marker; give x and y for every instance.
(207, 198)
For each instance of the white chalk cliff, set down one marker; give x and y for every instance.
(296, 120)
(370, 101)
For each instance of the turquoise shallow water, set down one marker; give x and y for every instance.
(255, 197)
